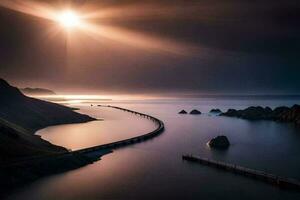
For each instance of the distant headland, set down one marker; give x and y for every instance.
(37, 91)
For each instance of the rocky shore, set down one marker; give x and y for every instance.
(283, 114)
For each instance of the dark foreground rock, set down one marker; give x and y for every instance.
(182, 112)
(219, 142)
(195, 112)
(284, 114)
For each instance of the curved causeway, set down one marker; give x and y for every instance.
(105, 147)
(126, 142)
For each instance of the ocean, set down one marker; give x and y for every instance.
(154, 169)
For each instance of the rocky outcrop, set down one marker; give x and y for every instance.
(195, 112)
(215, 110)
(291, 115)
(182, 112)
(284, 114)
(250, 113)
(219, 142)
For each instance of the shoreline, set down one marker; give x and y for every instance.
(128, 141)
(42, 166)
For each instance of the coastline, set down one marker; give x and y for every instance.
(31, 169)
(182, 134)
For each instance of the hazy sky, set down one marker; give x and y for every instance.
(205, 46)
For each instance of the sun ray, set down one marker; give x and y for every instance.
(135, 39)
(69, 19)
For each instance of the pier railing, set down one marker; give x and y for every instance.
(257, 174)
(133, 140)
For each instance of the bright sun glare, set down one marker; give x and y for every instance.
(68, 19)
(86, 22)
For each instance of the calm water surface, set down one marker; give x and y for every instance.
(113, 125)
(154, 169)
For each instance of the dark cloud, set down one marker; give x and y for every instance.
(243, 46)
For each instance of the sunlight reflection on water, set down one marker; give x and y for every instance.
(154, 169)
(116, 125)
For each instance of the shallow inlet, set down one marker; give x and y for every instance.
(116, 125)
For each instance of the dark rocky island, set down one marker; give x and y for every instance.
(182, 112)
(37, 91)
(283, 114)
(215, 110)
(20, 117)
(219, 142)
(195, 112)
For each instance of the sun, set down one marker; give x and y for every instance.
(68, 19)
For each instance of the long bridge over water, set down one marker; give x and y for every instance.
(133, 140)
(103, 147)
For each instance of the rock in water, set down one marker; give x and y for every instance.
(284, 114)
(219, 142)
(215, 111)
(182, 112)
(292, 115)
(195, 112)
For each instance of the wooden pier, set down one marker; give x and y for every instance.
(256, 174)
